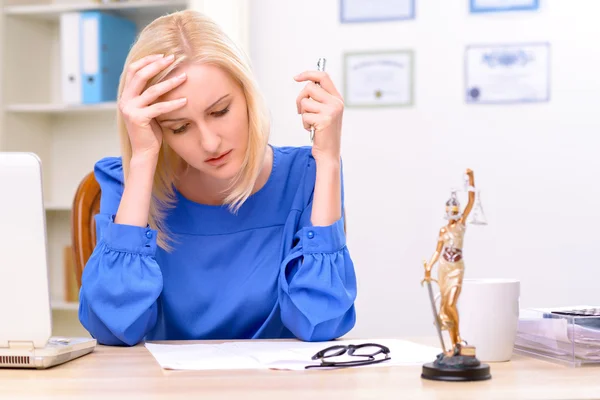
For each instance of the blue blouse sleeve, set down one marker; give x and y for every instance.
(318, 281)
(121, 280)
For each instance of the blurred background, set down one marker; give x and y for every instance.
(535, 161)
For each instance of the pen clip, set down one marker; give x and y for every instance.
(321, 64)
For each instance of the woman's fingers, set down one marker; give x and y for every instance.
(155, 91)
(164, 107)
(142, 62)
(140, 78)
(321, 78)
(310, 120)
(308, 105)
(314, 91)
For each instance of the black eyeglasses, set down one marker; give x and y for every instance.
(366, 354)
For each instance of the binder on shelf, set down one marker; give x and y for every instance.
(70, 58)
(105, 43)
(94, 46)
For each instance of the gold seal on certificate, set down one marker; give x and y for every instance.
(378, 79)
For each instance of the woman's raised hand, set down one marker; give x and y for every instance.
(138, 106)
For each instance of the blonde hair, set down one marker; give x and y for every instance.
(194, 38)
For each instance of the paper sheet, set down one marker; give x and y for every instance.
(287, 355)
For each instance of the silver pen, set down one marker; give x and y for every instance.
(320, 67)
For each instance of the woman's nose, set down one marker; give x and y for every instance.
(210, 141)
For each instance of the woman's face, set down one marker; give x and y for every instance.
(452, 213)
(210, 132)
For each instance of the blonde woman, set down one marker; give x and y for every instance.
(205, 230)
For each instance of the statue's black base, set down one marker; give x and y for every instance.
(456, 369)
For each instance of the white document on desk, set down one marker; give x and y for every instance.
(285, 355)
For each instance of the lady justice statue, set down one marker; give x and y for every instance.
(456, 362)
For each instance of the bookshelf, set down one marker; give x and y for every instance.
(69, 139)
(58, 108)
(133, 9)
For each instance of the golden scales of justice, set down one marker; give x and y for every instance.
(457, 362)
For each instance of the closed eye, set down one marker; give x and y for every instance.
(181, 129)
(220, 113)
(217, 114)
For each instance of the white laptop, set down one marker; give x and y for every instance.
(25, 312)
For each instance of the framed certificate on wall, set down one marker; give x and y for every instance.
(376, 10)
(507, 73)
(379, 79)
(483, 6)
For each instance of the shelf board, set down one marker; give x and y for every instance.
(58, 108)
(127, 9)
(65, 306)
(57, 207)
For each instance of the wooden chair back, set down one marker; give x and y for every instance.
(86, 205)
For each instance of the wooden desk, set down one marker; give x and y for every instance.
(117, 372)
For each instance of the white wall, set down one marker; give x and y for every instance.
(536, 164)
(231, 15)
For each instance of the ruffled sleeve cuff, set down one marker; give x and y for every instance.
(323, 239)
(129, 238)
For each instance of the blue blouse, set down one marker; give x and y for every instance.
(266, 272)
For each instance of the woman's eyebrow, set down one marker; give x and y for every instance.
(217, 102)
(208, 108)
(171, 120)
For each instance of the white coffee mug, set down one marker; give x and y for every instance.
(488, 317)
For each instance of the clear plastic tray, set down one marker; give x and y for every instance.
(566, 339)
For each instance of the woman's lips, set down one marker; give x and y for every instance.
(220, 160)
